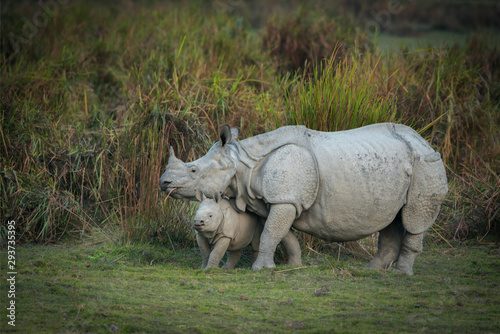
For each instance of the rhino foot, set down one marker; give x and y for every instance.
(379, 262)
(404, 266)
(263, 263)
(294, 261)
(403, 270)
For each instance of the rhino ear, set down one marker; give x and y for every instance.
(228, 135)
(234, 134)
(225, 135)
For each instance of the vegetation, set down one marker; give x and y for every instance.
(106, 288)
(92, 101)
(93, 94)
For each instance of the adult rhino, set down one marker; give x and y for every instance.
(337, 186)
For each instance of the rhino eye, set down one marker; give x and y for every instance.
(210, 216)
(193, 169)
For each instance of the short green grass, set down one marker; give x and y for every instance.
(107, 288)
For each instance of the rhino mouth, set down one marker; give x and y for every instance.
(168, 187)
(170, 191)
(198, 226)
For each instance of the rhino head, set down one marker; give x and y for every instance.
(210, 174)
(209, 214)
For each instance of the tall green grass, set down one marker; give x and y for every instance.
(339, 96)
(90, 106)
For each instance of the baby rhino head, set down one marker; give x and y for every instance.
(209, 214)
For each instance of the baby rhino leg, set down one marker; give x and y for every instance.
(218, 252)
(292, 248)
(204, 248)
(256, 242)
(232, 258)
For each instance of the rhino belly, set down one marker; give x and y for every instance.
(247, 225)
(341, 229)
(353, 211)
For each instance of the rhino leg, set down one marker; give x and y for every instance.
(232, 258)
(292, 248)
(218, 252)
(278, 224)
(389, 245)
(255, 244)
(418, 215)
(427, 190)
(204, 248)
(412, 247)
(289, 242)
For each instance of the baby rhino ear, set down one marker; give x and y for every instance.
(217, 197)
(200, 196)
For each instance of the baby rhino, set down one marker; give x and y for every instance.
(219, 228)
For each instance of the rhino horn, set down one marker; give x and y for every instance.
(172, 157)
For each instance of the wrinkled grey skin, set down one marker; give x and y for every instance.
(338, 186)
(220, 228)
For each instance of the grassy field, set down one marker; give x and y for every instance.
(106, 288)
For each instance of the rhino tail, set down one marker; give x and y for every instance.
(434, 157)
